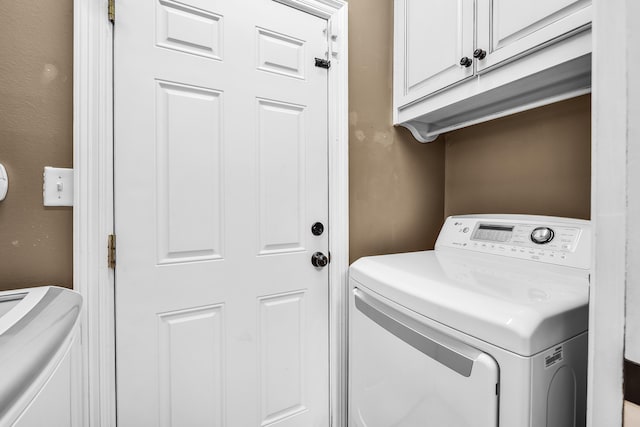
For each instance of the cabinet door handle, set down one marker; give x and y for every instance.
(466, 61)
(479, 53)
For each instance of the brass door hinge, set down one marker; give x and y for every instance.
(112, 11)
(111, 255)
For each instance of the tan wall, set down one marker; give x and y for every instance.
(536, 162)
(396, 184)
(36, 70)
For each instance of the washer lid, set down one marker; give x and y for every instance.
(521, 306)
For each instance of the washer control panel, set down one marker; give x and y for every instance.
(554, 240)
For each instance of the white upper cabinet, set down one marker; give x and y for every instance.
(510, 28)
(460, 62)
(430, 66)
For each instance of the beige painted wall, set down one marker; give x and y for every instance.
(536, 162)
(36, 70)
(396, 184)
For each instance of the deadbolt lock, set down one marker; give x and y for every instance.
(317, 229)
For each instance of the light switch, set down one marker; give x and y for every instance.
(58, 186)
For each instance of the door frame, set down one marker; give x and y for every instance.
(93, 217)
(613, 204)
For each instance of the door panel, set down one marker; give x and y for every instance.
(189, 173)
(282, 320)
(191, 357)
(221, 169)
(189, 30)
(280, 54)
(281, 176)
(508, 28)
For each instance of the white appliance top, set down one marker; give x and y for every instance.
(36, 327)
(521, 301)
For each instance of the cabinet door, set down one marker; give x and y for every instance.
(431, 36)
(510, 28)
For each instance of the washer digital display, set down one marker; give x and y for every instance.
(493, 233)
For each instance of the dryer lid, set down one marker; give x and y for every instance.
(513, 304)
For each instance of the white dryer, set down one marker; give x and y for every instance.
(489, 329)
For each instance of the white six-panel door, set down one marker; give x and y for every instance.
(220, 171)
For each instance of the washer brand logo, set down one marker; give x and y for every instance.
(554, 357)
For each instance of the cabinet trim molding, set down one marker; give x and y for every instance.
(420, 131)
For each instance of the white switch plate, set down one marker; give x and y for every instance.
(58, 186)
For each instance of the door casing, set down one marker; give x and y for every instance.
(93, 202)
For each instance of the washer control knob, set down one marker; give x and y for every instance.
(542, 235)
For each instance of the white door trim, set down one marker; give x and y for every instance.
(610, 191)
(93, 204)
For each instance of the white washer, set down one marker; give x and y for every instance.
(488, 329)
